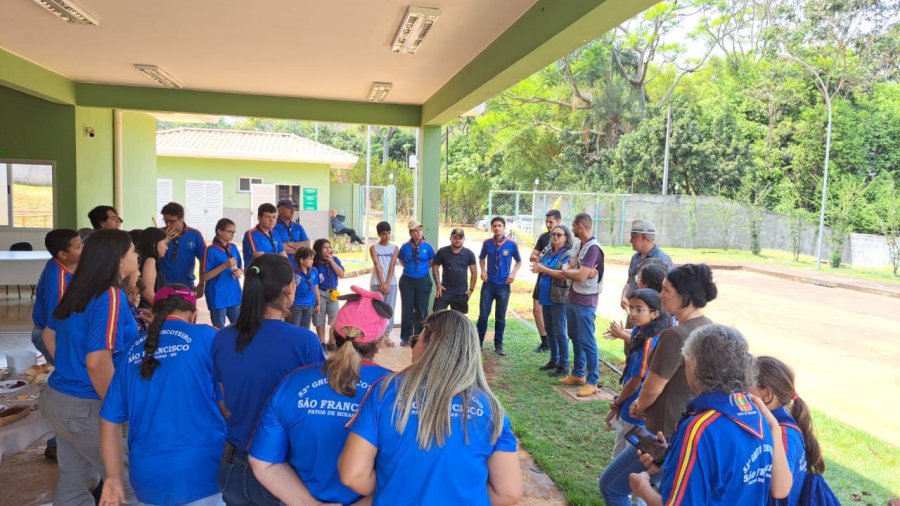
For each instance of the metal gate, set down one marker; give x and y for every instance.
(382, 207)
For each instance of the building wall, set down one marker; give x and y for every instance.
(94, 158)
(138, 169)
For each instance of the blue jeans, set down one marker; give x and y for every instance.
(584, 345)
(39, 344)
(555, 325)
(614, 486)
(301, 316)
(491, 292)
(218, 316)
(414, 296)
(239, 486)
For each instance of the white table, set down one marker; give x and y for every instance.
(22, 267)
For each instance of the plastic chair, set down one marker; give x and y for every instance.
(21, 246)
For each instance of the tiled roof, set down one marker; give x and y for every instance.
(241, 144)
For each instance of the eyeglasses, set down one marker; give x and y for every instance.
(637, 310)
(558, 234)
(228, 231)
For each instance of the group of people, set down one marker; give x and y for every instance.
(298, 427)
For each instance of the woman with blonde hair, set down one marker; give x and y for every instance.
(439, 419)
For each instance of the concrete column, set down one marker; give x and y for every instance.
(429, 197)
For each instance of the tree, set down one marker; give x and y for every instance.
(883, 215)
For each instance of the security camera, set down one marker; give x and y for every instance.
(89, 131)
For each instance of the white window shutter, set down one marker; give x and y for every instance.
(260, 194)
(213, 209)
(163, 197)
(195, 204)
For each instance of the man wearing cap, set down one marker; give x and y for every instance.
(415, 285)
(497, 274)
(337, 224)
(551, 219)
(453, 290)
(290, 233)
(643, 242)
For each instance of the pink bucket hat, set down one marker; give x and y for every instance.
(365, 311)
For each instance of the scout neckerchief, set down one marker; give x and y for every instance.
(785, 420)
(329, 272)
(269, 237)
(225, 247)
(415, 250)
(736, 406)
(498, 252)
(175, 241)
(299, 270)
(551, 258)
(290, 230)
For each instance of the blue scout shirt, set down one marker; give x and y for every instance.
(177, 265)
(50, 288)
(250, 376)
(257, 240)
(499, 258)
(105, 324)
(304, 425)
(328, 279)
(416, 260)
(176, 431)
(456, 473)
(721, 453)
(289, 233)
(306, 282)
(637, 365)
(795, 447)
(223, 290)
(550, 260)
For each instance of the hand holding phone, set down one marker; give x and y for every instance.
(647, 443)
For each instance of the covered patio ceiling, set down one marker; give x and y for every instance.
(299, 59)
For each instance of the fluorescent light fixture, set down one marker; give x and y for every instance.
(378, 91)
(68, 11)
(413, 29)
(159, 75)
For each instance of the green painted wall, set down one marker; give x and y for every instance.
(94, 160)
(139, 169)
(345, 199)
(430, 178)
(181, 169)
(22, 75)
(34, 129)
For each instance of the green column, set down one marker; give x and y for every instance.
(429, 197)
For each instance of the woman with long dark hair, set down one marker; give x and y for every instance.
(302, 431)
(151, 247)
(93, 324)
(329, 269)
(164, 390)
(250, 358)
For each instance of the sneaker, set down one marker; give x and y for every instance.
(559, 372)
(586, 390)
(499, 351)
(50, 452)
(404, 342)
(549, 366)
(542, 349)
(572, 380)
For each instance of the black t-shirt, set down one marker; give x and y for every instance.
(454, 269)
(542, 242)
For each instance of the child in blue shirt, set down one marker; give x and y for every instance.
(307, 301)
(185, 248)
(222, 271)
(250, 358)
(64, 246)
(329, 269)
(302, 431)
(402, 427)
(164, 390)
(261, 239)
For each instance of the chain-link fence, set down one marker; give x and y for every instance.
(382, 207)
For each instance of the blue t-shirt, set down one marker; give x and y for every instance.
(293, 233)
(636, 365)
(721, 453)
(250, 376)
(223, 290)
(175, 429)
(306, 283)
(177, 266)
(416, 262)
(304, 424)
(456, 473)
(499, 258)
(105, 324)
(551, 260)
(328, 279)
(255, 240)
(795, 448)
(50, 288)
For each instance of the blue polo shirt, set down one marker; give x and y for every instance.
(554, 261)
(721, 453)
(105, 324)
(223, 290)
(795, 448)
(178, 264)
(416, 262)
(175, 429)
(306, 283)
(257, 240)
(304, 424)
(499, 258)
(289, 233)
(250, 376)
(50, 288)
(636, 365)
(455, 473)
(328, 279)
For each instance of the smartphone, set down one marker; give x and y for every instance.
(643, 440)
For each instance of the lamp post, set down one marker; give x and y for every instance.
(824, 89)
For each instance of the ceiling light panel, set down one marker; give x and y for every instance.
(416, 24)
(379, 91)
(157, 74)
(68, 11)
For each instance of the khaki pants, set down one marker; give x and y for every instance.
(76, 423)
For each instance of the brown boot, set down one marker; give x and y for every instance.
(572, 380)
(586, 391)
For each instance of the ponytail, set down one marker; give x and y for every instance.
(343, 368)
(264, 283)
(779, 378)
(161, 310)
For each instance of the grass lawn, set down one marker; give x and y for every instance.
(571, 444)
(766, 257)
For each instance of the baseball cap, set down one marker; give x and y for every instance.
(360, 313)
(286, 202)
(643, 227)
(457, 232)
(413, 224)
